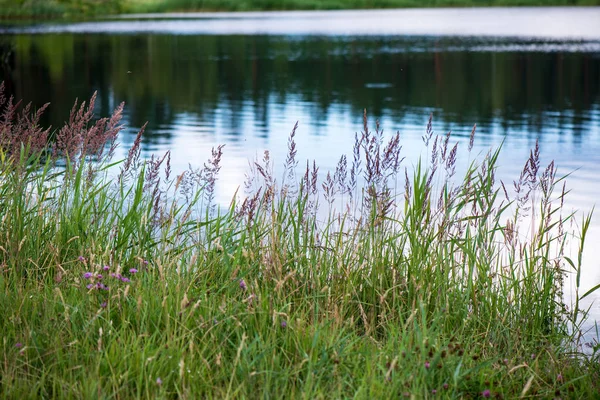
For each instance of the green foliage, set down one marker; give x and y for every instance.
(87, 8)
(254, 5)
(31, 8)
(58, 8)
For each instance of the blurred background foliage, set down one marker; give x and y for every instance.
(21, 9)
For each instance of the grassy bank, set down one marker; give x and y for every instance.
(89, 8)
(311, 285)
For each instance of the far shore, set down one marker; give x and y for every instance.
(554, 23)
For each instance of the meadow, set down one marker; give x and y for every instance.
(123, 279)
(90, 8)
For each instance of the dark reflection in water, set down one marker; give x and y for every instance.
(160, 76)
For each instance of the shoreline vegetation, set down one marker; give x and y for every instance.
(73, 9)
(122, 279)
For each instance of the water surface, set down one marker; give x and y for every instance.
(243, 80)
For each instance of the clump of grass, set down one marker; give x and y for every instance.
(351, 284)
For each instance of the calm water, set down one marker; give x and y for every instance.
(244, 80)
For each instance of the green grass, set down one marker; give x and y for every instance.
(87, 8)
(312, 287)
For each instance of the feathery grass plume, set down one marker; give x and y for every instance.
(210, 173)
(203, 180)
(534, 166)
(356, 169)
(444, 150)
(329, 188)
(69, 139)
(434, 153)
(523, 188)
(391, 156)
(428, 131)
(472, 138)
(341, 174)
(289, 167)
(21, 129)
(451, 161)
(154, 164)
(132, 161)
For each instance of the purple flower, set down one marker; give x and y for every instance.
(102, 286)
(434, 391)
(125, 279)
(158, 381)
(81, 258)
(486, 393)
(103, 304)
(243, 284)
(283, 324)
(113, 275)
(133, 271)
(87, 275)
(18, 345)
(445, 385)
(559, 378)
(89, 286)
(427, 365)
(99, 276)
(145, 262)
(106, 268)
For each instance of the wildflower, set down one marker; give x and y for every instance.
(283, 324)
(145, 262)
(243, 284)
(433, 391)
(89, 286)
(158, 381)
(113, 275)
(486, 393)
(427, 365)
(87, 275)
(106, 268)
(559, 378)
(103, 304)
(445, 386)
(133, 271)
(18, 345)
(99, 276)
(81, 258)
(124, 279)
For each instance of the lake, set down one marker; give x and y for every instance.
(244, 79)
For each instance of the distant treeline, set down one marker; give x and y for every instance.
(89, 8)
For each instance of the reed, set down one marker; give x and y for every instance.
(122, 279)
